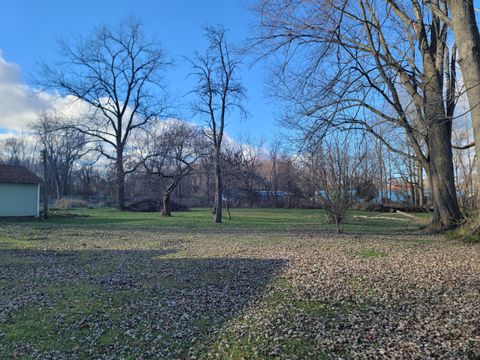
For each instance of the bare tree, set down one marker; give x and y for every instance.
(460, 16)
(17, 150)
(89, 180)
(376, 66)
(116, 72)
(289, 179)
(251, 152)
(274, 152)
(335, 180)
(219, 92)
(168, 153)
(64, 147)
(231, 165)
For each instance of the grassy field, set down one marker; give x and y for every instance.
(267, 284)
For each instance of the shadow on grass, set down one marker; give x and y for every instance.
(87, 304)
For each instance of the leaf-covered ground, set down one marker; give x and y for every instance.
(100, 284)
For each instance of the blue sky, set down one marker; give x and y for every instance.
(29, 31)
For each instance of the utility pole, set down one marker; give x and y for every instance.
(45, 178)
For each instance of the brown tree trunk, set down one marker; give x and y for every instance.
(217, 217)
(439, 142)
(228, 211)
(467, 39)
(413, 194)
(440, 171)
(120, 182)
(66, 185)
(166, 204)
(57, 188)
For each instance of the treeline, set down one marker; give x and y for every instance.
(172, 162)
(371, 94)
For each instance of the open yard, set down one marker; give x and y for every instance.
(101, 284)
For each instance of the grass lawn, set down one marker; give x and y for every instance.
(102, 284)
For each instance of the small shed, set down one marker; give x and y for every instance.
(19, 192)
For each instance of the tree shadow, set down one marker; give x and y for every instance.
(136, 304)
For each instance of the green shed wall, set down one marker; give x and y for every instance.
(19, 199)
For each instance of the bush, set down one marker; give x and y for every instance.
(336, 205)
(67, 203)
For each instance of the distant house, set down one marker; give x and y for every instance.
(347, 193)
(267, 194)
(19, 192)
(266, 197)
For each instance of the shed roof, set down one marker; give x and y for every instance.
(18, 174)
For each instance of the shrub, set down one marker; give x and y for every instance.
(336, 205)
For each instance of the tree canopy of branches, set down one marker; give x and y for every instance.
(17, 151)
(116, 72)
(64, 147)
(169, 152)
(374, 66)
(335, 180)
(219, 92)
(251, 152)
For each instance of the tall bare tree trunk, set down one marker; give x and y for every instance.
(218, 188)
(447, 212)
(57, 188)
(166, 204)
(66, 185)
(439, 142)
(467, 39)
(120, 182)
(229, 215)
(440, 172)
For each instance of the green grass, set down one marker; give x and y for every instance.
(242, 219)
(90, 282)
(39, 324)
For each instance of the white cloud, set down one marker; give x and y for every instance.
(20, 103)
(9, 72)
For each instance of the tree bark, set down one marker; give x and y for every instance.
(166, 204)
(57, 188)
(467, 39)
(120, 182)
(440, 163)
(217, 217)
(228, 211)
(45, 184)
(446, 210)
(439, 143)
